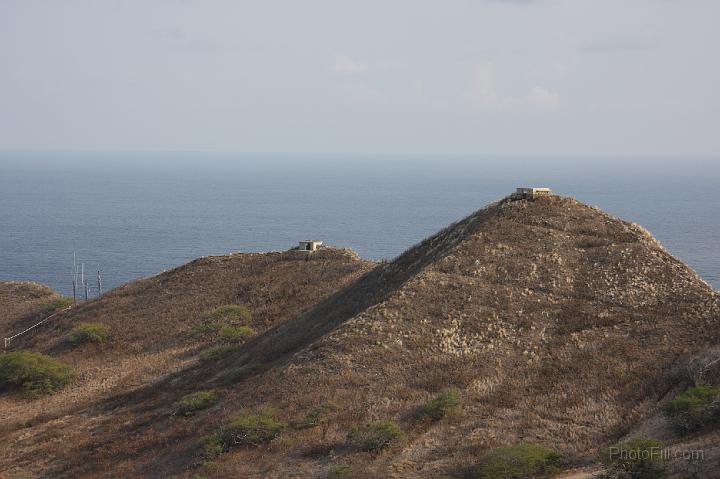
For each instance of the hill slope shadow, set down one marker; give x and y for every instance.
(279, 343)
(372, 288)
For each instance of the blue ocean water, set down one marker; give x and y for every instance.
(134, 215)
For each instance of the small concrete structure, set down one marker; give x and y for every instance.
(309, 245)
(531, 193)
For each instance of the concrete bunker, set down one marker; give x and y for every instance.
(530, 193)
(309, 245)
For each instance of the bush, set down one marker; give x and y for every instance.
(635, 459)
(60, 303)
(246, 430)
(89, 333)
(34, 373)
(439, 407)
(520, 461)
(339, 470)
(216, 319)
(192, 402)
(317, 416)
(223, 332)
(236, 333)
(230, 312)
(208, 327)
(374, 436)
(695, 409)
(219, 352)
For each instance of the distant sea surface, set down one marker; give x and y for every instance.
(135, 215)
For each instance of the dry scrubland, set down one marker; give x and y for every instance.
(23, 304)
(548, 321)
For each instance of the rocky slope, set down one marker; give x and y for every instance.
(557, 323)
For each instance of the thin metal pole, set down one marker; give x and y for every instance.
(74, 277)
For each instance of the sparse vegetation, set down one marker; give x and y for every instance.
(236, 333)
(635, 459)
(190, 403)
(374, 436)
(468, 310)
(229, 312)
(60, 303)
(36, 374)
(223, 332)
(89, 333)
(207, 327)
(520, 461)
(695, 409)
(439, 407)
(218, 323)
(339, 470)
(247, 430)
(317, 416)
(217, 352)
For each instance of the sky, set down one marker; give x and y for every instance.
(490, 77)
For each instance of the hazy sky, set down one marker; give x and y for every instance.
(447, 76)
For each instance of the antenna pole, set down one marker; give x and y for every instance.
(74, 277)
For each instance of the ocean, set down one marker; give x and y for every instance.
(133, 215)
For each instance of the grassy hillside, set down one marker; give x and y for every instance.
(155, 326)
(545, 322)
(22, 303)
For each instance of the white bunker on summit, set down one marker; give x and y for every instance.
(309, 245)
(531, 192)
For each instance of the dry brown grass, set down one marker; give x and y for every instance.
(21, 304)
(557, 323)
(150, 321)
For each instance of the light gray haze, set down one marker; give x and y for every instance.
(477, 76)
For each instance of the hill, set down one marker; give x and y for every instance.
(22, 302)
(153, 325)
(554, 322)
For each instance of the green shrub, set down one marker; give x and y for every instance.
(246, 430)
(217, 352)
(317, 416)
(374, 436)
(89, 333)
(229, 312)
(223, 332)
(695, 409)
(216, 323)
(34, 373)
(439, 407)
(339, 470)
(196, 401)
(635, 459)
(207, 327)
(236, 333)
(520, 461)
(60, 303)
